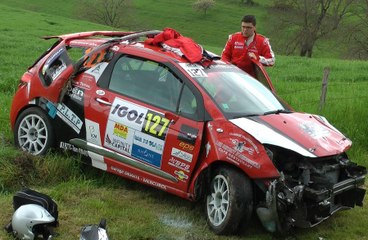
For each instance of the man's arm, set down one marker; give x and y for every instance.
(227, 52)
(266, 55)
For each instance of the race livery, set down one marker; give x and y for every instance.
(157, 108)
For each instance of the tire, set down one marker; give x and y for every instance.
(230, 201)
(33, 131)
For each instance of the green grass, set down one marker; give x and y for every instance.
(133, 211)
(212, 28)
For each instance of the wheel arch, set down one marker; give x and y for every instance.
(203, 178)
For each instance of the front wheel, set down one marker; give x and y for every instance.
(33, 131)
(230, 200)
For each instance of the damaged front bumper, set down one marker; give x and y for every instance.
(301, 204)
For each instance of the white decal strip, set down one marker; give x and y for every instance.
(266, 135)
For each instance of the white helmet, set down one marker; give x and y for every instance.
(30, 220)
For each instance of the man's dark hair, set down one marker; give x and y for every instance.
(249, 19)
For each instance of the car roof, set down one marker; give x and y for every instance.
(135, 40)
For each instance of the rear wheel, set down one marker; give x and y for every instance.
(33, 131)
(230, 200)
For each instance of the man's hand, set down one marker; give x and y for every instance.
(252, 55)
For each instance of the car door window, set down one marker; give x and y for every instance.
(188, 104)
(147, 81)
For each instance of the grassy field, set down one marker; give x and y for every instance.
(134, 211)
(212, 28)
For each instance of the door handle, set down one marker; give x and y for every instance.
(192, 136)
(104, 102)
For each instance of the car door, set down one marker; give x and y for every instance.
(148, 120)
(262, 75)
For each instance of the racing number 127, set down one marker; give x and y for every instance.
(152, 121)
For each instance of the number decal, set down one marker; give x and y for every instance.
(156, 125)
(149, 118)
(164, 126)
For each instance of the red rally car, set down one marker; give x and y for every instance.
(156, 108)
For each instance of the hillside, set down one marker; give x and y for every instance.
(212, 29)
(133, 211)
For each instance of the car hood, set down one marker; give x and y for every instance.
(309, 135)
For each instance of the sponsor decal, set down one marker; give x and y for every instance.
(314, 130)
(71, 147)
(128, 114)
(52, 109)
(245, 145)
(139, 118)
(77, 94)
(121, 130)
(156, 124)
(117, 144)
(240, 146)
(186, 146)
(153, 183)
(146, 155)
(85, 44)
(125, 173)
(181, 154)
(141, 129)
(97, 70)
(236, 156)
(178, 164)
(52, 59)
(57, 69)
(181, 175)
(69, 117)
(194, 70)
(149, 142)
(93, 132)
(83, 85)
(120, 135)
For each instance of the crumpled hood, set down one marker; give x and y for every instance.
(309, 135)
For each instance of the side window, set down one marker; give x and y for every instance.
(261, 77)
(147, 81)
(55, 65)
(188, 104)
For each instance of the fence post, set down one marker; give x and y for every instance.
(322, 101)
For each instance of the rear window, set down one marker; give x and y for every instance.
(55, 65)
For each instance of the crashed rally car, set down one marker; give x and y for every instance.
(157, 108)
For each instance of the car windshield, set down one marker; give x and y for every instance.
(237, 93)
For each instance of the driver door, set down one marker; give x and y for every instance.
(150, 119)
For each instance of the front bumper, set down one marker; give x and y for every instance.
(288, 204)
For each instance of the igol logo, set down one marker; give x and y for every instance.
(131, 115)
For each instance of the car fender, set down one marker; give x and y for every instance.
(225, 143)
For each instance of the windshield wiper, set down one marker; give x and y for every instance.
(277, 111)
(246, 115)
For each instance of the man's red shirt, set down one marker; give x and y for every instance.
(236, 51)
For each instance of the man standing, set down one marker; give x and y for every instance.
(246, 45)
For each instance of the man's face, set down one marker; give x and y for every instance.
(247, 29)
